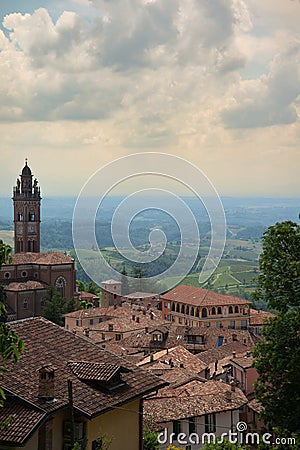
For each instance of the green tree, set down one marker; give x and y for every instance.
(226, 445)
(10, 344)
(277, 356)
(277, 361)
(279, 266)
(124, 280)
(150, 439)
(93, 288)
(55, 306)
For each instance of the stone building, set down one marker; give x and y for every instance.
(30, 272)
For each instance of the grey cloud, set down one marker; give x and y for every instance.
(272, 100)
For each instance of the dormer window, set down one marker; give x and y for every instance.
(104, 375)
(157, 337)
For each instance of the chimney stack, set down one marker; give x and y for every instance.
(46, 388)
(233, 354)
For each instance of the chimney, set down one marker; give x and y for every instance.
(151, 315)
(233, 354)
(181, 365)
(228, 396)
(86, 332)
(248, 354)
(151, 357)
(232, 385)
(46, 383)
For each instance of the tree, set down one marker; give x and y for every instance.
(124, 280)
(10, 345)
(277, 361)
(279, 267)
(55, 306)
(277, 356)
(150, 439)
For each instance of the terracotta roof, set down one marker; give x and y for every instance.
(42, 339)
(202, 297)
(245, 361)
(25, 286)
(176, 357)
(84, 294)
(259, 317)
(210, 356)
(255, 405)
(194, 399)
(85, 370)
(41, 258)
(141, 295)
(23, 419)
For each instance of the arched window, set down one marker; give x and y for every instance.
(182, 309)
(236, 309)
(230, 310)
(192, 311)
(173, 306)
(219, 310)
(187, 310)
(31, 217)
(197, 312)
(60, 285)
(213, 311)
(20, 217)
(177, 307)
(204, 312)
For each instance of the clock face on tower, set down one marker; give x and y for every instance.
(19, 228)
(31, 229)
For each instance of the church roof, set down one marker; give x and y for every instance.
(41, 258)
(25, 286)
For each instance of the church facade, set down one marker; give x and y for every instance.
(31, 272)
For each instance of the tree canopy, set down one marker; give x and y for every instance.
(10, 344)
(279, 266)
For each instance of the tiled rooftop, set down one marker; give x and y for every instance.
(193, 399)
(41, 258)
(201, 297)
(23, 419)
(25, 286)
(85, 370)
(259, 317)
(48, 344)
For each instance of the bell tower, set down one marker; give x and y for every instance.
(27, 219)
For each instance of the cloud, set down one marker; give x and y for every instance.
(270, 100)
(154, 54)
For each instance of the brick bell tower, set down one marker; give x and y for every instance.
(27, 203)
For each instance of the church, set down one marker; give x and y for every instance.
(27, 276)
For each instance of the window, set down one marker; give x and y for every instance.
(157, 337)
(232, 324)
(244, 324)
(78, 323)
(7, 275)
(24, 274)
(25, 304)
(219, 324)
(176, 428)
(207, 324)
(230, 310)
(100, 320)
(213, 311)
(60, 285)
(31, 217)
(204, 312)
(236, 310)
(219, 310)
(210, 423)
(192, 425)
(20, 217)
(110, 327)
(91, 321)
(180, 320)
(118, 337)
(220, 341)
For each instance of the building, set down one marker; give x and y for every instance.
(197, 307)
(193, 412)
(111, 293)
(29, 274)
(63, 382)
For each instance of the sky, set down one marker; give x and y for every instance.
(217, 82)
